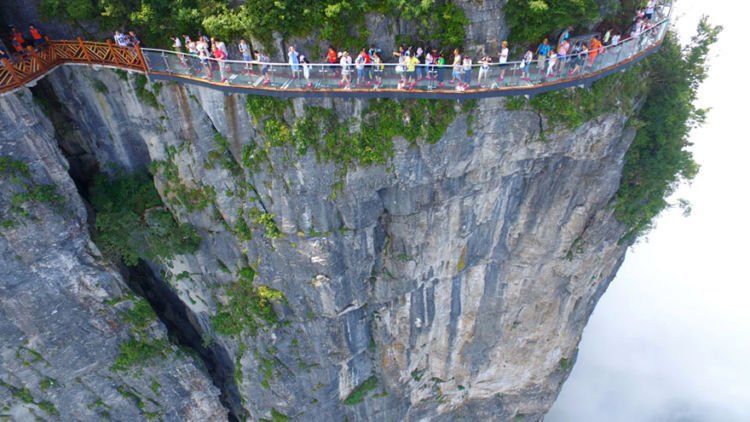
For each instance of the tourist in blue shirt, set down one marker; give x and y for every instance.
(542, 52)
(565, 35)
(294, 61)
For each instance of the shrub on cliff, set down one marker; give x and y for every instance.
(132, 223)
(531, 20)
(338, 21)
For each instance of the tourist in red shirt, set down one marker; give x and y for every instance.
(36, 36)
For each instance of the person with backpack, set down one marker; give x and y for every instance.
(542, 52)
(579, 55)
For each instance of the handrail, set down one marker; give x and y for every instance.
(370, 80)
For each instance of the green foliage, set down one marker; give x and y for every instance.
(16, 177)
(99, 86)
(531, 20)
(437, 23)
(192, 198)
(143, 94)
(332, 140)
(48, 407)
(565, 364)
(358, 394)
(266, 221)
(24, 395)
(266, 371)
(46, 194)
(47, 383)
(277, 416)
(75, 10)
(139, 351)
(259, 107)
(249, 306)
(340, 22)
(141, 315)
(140, 348)
(658, 159)
(573, 107)
(11, 167)
(131, 222)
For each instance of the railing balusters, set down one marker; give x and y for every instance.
(83, 49)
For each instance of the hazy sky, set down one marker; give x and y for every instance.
(670, 340)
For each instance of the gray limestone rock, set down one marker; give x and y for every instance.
(458, 277)
(61, 306)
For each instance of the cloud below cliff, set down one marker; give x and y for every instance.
(670, 340)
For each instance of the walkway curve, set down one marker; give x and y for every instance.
(322, 80)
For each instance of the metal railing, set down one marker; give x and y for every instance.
(386, 79)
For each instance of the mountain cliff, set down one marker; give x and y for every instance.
(172, 252)
(453, 280)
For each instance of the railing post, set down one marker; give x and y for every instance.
(141, 58)
(111, 47)
(52, 52)
(8, 65)
(83, 48)
(35, 56)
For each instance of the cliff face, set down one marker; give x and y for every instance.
(451, 283)
(62, 309)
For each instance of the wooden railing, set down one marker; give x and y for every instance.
(22, 70)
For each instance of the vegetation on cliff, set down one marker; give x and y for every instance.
(249, 306)
(531, 20)
(659, 158)
(338, 21)
(132, 223)
(660, 94)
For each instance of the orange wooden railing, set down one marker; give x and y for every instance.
(22, 70)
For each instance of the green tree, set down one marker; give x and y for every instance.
(132, 223)
(531, 20)
(659, 159)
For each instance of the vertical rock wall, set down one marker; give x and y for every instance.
(62, 307)
(455, 281)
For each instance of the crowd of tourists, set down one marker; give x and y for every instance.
(568, 56)
(205, 56)
(19, 43)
